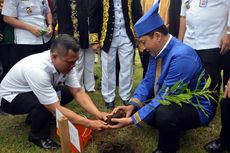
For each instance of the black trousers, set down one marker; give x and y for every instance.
(225, 120)
(171, 120)
(213, 63)
(21, 50)
(6, 54)
(174, 18)
(40, 117)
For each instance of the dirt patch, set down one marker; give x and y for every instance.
(116, 141)
(109, 147)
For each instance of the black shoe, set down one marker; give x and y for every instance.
(43, 143)
(110, 105)
(215, 146)
(125, 102)
(96, 77)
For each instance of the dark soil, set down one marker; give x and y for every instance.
(109, 147)
(110, 141)
(119, 114)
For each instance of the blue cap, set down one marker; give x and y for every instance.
(150, 21)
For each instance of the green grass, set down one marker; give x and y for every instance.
(13, 132)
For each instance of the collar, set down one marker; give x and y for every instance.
(166, 44)
(50, 66)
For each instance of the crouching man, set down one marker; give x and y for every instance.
(171, 61)
(40, 83)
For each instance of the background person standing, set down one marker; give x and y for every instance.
(205, 26)
(111, 32)
(72, 18)
(32, 22)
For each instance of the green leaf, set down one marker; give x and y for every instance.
(184, 97)
(207, 84)
(174, 99)
(184, 87)
(211, 97)
(43, 32)
(200, 106)
(206, 96)
(199, 79)
(175, 86)
(188, 91)
(166, 91)
(164, 102)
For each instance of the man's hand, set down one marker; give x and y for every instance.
(1, 37)
(128, 109)
(50, 30)
(35, 31)
(227, 90)
(102, 116)
(97, 125)
(121, 122)
(96, 48)
(225, 44)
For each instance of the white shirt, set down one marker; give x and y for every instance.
(205, 25)
(36, 73)
(33, 12)
(119, 26)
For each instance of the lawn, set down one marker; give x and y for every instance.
(14, 132)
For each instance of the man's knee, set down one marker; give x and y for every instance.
(165, 119)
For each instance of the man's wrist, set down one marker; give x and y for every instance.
(130, 121)
(98, 115)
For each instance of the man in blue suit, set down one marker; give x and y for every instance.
(170, 61)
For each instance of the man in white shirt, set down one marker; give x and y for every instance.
(38, 85)
(205, 26)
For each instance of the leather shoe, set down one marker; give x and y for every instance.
(110, 105)
(215, 146)
(43, 143)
